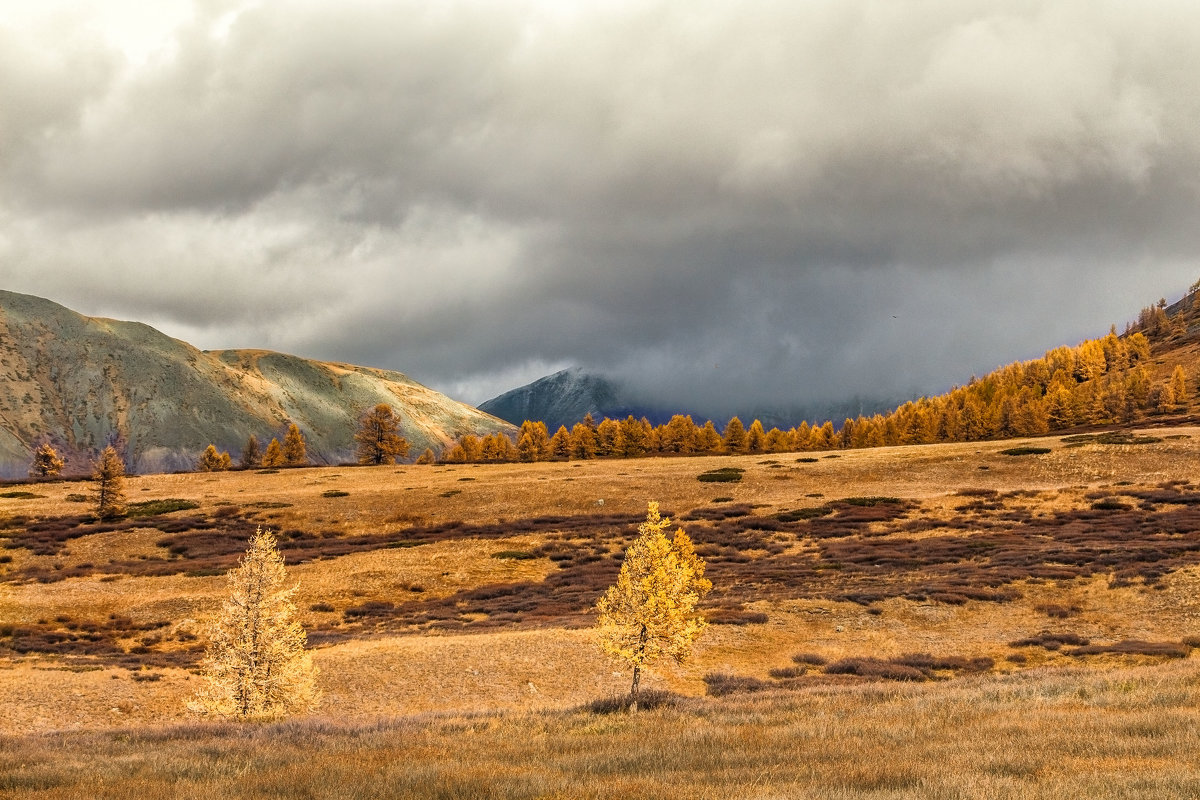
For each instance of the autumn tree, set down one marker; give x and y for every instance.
(212, 461)
(533, 443)
(1179, 386)
(427, 457)
(734, 437)
(251, 455)
(108, 472)
(651, 611)
(607, 433)
(46, 463)
(256, 666)
(756, 438)
(378, 437)
(295, 450)
(583, 440)
(273, 457)
(560, 443)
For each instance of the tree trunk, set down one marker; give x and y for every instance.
(637, 671)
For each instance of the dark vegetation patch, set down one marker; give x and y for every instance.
(1025, 451)
(910, 667)
(334, 493)
(113, 641)
(20, 495)
(647, 700)
(1051, 641)
(1108, 437)
(1135, 647)
(807, 460)
(513, 555)
(268, 471)
(152, 508)
(75, 497)
(721, 475)
(735, 616)
(720, 684)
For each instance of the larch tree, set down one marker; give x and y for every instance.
(378, 437)
(108, 472)
(256, 665)
(46, 463)
(212, 461)
(251, 454)
(295, 451)
(560, 443)
(273, 457)
(1179, 386)
(651, 611)
(427, 457)
(734, 437)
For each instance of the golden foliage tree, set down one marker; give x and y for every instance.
(734, 437)
(651, 611)
(212, 461)
(427, 457)
(108, 472)
(378, 437)
(295, 451)
(560, 443)
(256, 666)
(46, 463)
(1179, 386)
(273, 457)
(533, 442)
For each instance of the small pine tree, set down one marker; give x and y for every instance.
(212, 461)
(256, 666)
(273, 457)
(295, 451)
(379, 441)
(651, 611)
(46, 463)
(109, 474)
(251, 455)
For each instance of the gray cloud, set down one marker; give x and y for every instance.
(728, 206)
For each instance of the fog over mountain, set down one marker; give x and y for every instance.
(722, 205)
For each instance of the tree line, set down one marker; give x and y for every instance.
(1100, 381)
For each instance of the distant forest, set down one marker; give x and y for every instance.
(1099, 382)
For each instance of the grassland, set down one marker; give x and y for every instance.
(938, 621)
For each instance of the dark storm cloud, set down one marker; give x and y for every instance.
(729, 205)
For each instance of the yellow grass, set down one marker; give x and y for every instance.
(1050, 726)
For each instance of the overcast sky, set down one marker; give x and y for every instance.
(741, 204)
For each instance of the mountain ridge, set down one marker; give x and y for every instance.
(84, 382)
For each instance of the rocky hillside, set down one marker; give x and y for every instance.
(81, 383)
(563, 398)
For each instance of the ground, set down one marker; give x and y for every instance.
(954, 576)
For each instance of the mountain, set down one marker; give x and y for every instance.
(565, 397)
(82, 383)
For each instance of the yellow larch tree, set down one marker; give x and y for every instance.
(651, 611)
(109, 474)
(46, 463)
(378, 437)
(256, 666)
(295, 450)
(273, 457)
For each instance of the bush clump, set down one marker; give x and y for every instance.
(721, 475)
(334, 493)
(1025, 451)
(152, 508)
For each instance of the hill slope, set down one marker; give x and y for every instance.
(82, 382)
(563, 398)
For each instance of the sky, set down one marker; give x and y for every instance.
(726, 205)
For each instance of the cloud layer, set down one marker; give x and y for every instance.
(731, 206)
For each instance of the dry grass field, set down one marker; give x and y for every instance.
(935, 621)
